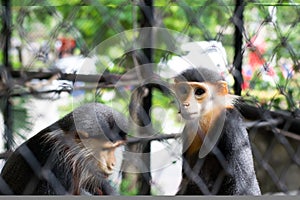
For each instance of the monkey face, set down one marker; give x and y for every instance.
(104, 153)
(107, 159)
(201, 98)
(191, 96)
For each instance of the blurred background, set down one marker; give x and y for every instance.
(56, 55)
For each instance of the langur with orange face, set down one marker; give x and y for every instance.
(73, 156)
(217, 157)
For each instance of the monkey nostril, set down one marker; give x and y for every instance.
(111, 166)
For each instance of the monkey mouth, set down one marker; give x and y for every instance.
(189, 116)
(107, 172)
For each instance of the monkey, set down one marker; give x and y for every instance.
(73, 156)
(223, 167)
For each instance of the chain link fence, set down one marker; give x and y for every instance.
(44, 43)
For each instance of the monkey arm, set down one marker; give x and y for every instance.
(236, 148)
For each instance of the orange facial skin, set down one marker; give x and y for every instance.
(201, 102)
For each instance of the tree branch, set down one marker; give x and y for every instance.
(286, 121)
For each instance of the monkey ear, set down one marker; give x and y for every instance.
(176, 80)
(222, 88)
(230, 100)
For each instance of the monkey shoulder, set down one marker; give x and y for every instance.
(234, 120)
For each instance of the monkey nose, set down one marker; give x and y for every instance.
(186, 104)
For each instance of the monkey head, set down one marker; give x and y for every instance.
(98, 130)
(202, 95)
(198, 98)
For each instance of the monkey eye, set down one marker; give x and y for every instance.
(199, 91)
(105, 149)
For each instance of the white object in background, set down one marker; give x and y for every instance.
(208, 54)
(77, 65)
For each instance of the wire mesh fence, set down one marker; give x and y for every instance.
(86, 52)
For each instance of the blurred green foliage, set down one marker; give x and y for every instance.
(22, 123)
(127, 187)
